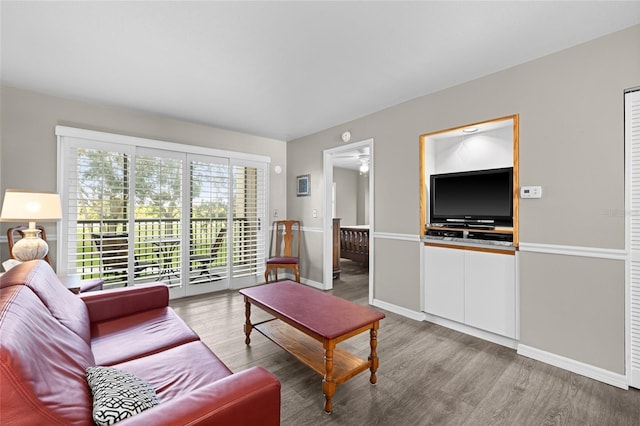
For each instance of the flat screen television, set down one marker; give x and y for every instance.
(478, 197)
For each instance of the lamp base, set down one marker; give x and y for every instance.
(30, 247)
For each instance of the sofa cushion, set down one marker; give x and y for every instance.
(121, 302)
(283, 260)
(62, 303)
(179, 370)
(42, 364)
(118, 395)
(137, 335)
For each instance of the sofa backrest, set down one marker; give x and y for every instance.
(42, 363)
(65, 306)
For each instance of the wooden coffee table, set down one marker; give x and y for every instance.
(309, 324)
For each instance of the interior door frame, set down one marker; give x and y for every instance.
(328, 156)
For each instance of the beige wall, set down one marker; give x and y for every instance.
(346, 195)
(29, 146)
(363, 199)
(574, 306)
(571, 143)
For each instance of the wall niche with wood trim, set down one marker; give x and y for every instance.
(470, 262)
(487, 145)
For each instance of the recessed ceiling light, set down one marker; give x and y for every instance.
(470, 130)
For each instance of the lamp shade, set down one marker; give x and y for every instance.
(19, 206)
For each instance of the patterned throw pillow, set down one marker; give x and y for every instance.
(118, 395)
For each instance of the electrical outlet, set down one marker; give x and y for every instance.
(530, 192)
(315, 213)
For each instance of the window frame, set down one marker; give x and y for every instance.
(69, 137)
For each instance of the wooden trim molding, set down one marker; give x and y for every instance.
(516, 179)
(423, 187)
(472, 248)
(515, 118)
(453, 129)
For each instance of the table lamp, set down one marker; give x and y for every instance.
(29, 206)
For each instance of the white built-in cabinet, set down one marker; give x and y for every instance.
(490, 292)
(444, 283)
(475, 288)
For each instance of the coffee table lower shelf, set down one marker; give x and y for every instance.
(311, 351)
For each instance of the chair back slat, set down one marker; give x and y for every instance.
(287, 233)
(113, 248)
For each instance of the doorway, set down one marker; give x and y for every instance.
(357, 159)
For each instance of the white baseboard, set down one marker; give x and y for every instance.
(303, 280)
(590, 371)
(476, 332)
(418, 316)
(311, 283)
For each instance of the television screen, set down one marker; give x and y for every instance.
(479, 196)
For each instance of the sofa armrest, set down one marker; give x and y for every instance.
(118, 302)
(250, 397)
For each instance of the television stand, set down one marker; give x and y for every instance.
(471, 233)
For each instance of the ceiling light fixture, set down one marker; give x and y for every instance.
(470, 130)
(364, 166)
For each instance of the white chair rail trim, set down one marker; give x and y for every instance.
(598, 252)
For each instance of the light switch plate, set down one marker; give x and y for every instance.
(530, 192)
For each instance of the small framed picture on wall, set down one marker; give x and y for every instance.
(302, 187)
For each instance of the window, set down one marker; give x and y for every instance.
(139, 211)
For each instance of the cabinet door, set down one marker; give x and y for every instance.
(444, 283)
(490, 292)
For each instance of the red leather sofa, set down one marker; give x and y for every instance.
(49, 336)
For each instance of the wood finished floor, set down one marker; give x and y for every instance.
(428, 375)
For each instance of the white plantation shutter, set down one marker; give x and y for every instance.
(95, 205)
(138, 210)
(209, 219)
(249, 213)
(632, 138)
(158, 214)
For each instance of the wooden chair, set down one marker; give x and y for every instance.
(206, 260)
(15, 233)
(114, 253)
(284, 257)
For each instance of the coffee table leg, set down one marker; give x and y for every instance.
(373, 358)
(328, 385)
(247, 324)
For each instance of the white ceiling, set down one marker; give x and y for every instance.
(281, 69)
